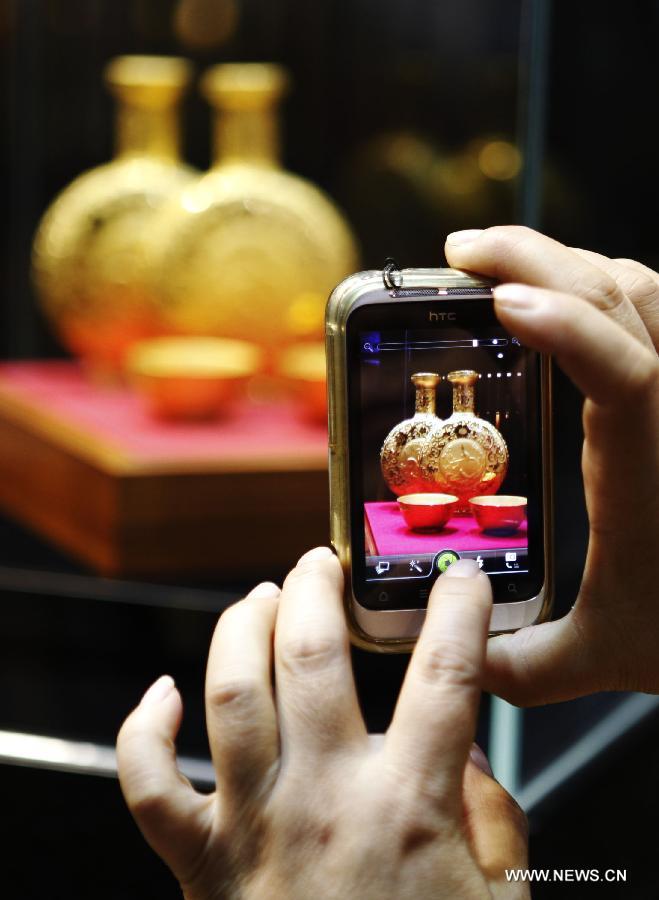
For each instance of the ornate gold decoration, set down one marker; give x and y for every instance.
(250, 251)
(467, 455)
(89, 257)
(403, 454)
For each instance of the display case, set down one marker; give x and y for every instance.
(123, 536)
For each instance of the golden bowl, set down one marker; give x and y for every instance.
(304, 369)
(427, 512)
(190, 378)
(498, 514)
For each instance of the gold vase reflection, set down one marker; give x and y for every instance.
(90, 257)
(250, 251)
(403, 454)
(468, 455)
(464, 455)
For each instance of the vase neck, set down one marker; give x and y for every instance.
(148, 90)
(425, 385)
(245, 100)
(148, 133)
(464, 391)
(246, 136)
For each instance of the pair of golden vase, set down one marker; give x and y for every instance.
(463, 455)
(146, 245)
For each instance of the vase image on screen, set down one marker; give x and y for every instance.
(444, 452)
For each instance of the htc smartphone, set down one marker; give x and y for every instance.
(439, 450)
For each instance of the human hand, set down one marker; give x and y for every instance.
(307, 805)
(600, 319)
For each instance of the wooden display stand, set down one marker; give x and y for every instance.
(87, 468)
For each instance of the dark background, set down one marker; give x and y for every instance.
(372, 80)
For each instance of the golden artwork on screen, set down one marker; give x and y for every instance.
(404, 453)
(462, 457)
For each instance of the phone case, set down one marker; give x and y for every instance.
(344, 299)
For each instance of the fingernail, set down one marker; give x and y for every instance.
(158, 691)
(462, 568)
(463, 237)
(515, 296)
(316, 554)
(264, 590)
(479, 759)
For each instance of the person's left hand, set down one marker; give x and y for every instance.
(306, 804)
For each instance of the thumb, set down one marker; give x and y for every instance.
(542, 663)
(171, 815)
(495, 826)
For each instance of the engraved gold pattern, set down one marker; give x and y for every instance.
(467, 455)
(464, 456)
(403, 451)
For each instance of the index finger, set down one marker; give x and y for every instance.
(638, 282)
(435, 718)
(519, 254)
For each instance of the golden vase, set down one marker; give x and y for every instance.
(403, 455)
(250, 251)
(467, 455)
(90, 255)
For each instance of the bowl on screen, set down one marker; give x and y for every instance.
(498, 514)
(427, 512)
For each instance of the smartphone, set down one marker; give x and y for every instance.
(439, 449)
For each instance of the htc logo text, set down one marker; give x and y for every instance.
(441, 316)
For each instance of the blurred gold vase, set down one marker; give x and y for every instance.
(90, 256)
(468, 455)
(250, 251)
(403, 457)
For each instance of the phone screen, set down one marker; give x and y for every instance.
(445, 452)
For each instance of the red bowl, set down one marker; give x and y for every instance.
(190, 378)
(498, 514)
(427, 512)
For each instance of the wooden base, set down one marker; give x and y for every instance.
(145, 513)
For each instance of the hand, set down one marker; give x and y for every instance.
(307, 805)
(600, 318)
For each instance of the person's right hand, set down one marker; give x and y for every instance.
(307, 805)
(599, 317)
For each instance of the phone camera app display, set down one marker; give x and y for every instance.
(444, 447)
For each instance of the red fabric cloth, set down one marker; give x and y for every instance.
(392, 536)
(250, 432)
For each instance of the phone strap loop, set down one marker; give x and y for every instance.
(391, 274)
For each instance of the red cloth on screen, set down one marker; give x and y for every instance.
(392, 536)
